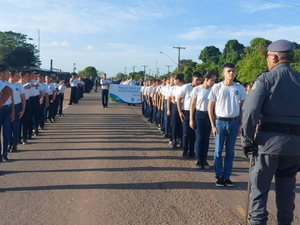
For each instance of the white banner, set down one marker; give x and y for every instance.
(124, 94)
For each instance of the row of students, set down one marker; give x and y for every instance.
(33, 100)
(188, 113)
(78, 87)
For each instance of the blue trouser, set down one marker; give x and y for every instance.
(265, 167)
(55, 106)
(73, 96)
(202, 131)
(49, 110)
(104, 97)
(176, 123)
(154, 116)
(166, 119)
(150, 108)
(145, 106)
(42, 113)
(188, 139)
(5, 123)
(227, 133)
(25, 121)
(15, 126)
(34, 120)
(60, 103)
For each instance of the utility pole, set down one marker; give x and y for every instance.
(144, 70)
(168, 68)
(157, 72)
(133, 67)
(74, 68)
(179, 48)
(125, 71)
(39, 45)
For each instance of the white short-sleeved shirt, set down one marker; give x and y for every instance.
(27, 91)
(152, 91)
(104, 82)
(227, 99)
(165, 91)
(170, 91)
(35, 91)
(2, 85)
(81, 82)
(45, 89)
(185, 93)
(176, 92)
(142, 89)
(74, 82)
(18, 90)
(51, 88)
(158, 88)
(131, 82)
(62, 89)
(201, 96)
(9, 101)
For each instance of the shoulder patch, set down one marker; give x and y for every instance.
(254, 86)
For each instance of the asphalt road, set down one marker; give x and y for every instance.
(110, 167)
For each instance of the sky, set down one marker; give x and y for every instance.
(113, 34)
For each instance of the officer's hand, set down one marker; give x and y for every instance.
(192, 124)
(181, 115)
(214, 131)
(250, 150)
(21, 114)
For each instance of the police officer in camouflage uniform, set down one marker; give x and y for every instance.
(276, 147)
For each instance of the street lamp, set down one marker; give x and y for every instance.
(169, 57)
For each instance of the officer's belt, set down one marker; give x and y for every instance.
(290, 129)
(227, 118)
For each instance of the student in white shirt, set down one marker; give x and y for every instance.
(73, 92)
(160, 104)
(105, 86)
(56, 101)
(155, 101)
(52, 96)
(45, 100)
(175, 119)
(199, 119)
(170, 107)
(183, 105)
(25, 82)
(19, 105)
(61, 94)
(7, 115)
(142, 98)
(164, 93)
(225, 101)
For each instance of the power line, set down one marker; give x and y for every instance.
(282, 3)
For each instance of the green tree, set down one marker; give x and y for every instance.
(89, 72)
(15, 52)
(232, 52)
(296, 64)
(120, 75)
(210, 54)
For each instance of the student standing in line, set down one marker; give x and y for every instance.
(73, 92)
(52, 97)
(199, 119)
(61, 94)
(183, 105)
(45, 101)
(225, 101)
(20, 105)
(105, 87)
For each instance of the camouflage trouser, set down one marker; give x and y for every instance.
(265, 167)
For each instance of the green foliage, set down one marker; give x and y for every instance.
(210, 54)
(120, 75)
(89, 72)
(15, 52)
(296, 64)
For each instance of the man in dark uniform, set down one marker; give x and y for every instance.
(276, 147)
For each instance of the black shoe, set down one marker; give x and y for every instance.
(206, 166)
(191, 155)
(24, 142)
(14, 148)
(42, 128)
(174, 145)
(228, 183)
(220, 182)
(69, 104)
(185, 154)
(4, 158)
(29, 137)
(199, 164)
(166, 136)
(19, 142)
(10, 148)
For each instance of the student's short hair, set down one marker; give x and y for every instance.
(73, 74)
(228, 65)
(12, 72)
(197, 74)
(3, 68)
(208, 75)
(132, 76)
(179, 77)
(23, 72)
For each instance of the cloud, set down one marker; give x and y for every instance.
(77, 16)
(121, 45)
(268, 31)
(90, 47)
(256, 6)
(59, 44)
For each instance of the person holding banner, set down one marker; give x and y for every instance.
(105, 86)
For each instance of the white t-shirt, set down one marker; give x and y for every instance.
(2, 85)
(74, 82)
(35, 91)
(170, 91)
(18, 90)
(104, 82)
(227, 99)
(165, 91)
(176, 92)
(27, 91)
(131, 82)
(152, 91)
(9, 101)
(51, 88)
(62, 88)
(142, 89)
(185, 93)
(201, 96)
(45, 88)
